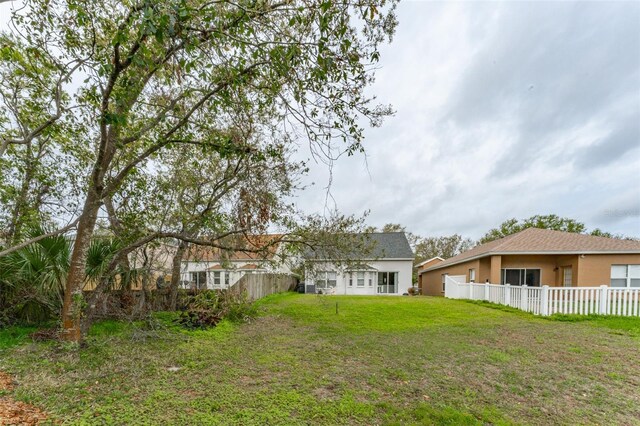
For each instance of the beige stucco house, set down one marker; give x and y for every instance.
(538, 257)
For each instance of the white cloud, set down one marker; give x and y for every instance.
(503, 110)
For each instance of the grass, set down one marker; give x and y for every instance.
(14, 336)
(379, 360)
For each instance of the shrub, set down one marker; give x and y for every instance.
(32, 280)
(208, 308)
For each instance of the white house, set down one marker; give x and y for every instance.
(212, 268)
(385, 269)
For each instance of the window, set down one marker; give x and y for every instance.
(371, 279)
(625, 275)
(444, 281)
(360, 279)
(199, 280)
(331, 279)
(350, 279)
(567, 276)
(326, 279)
(220, 279)
(472, 275)
(530, 277)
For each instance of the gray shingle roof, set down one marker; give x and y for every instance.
(391, 245)
(382, 245)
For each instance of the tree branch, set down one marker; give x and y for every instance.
(38, 238)
(166, 138)
(51, 120)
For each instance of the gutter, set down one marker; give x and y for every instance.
(428, 260)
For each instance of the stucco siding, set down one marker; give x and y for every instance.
(546, 264)
(595, 270)
(589, 270)
(432, 280)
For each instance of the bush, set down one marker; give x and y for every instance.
(208, 308)
(32, 280)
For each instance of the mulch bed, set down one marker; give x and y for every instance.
(15, 412)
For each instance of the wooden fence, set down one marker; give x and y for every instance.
(545, 300)
(260, 285)
(115, 303)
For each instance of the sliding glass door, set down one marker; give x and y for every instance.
(521, 276)
(387, 282)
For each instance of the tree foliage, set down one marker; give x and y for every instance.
(444, 247)
(551, 221)
(123, 96)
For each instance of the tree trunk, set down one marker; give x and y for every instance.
(175, 274)
(144, 293)
(126, 291)
(18, 215)
(73, 299)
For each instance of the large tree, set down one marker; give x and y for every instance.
(137, 78)
(39, 159)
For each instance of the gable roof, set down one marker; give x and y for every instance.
(381, 245)
(256, 247)
(544, 241)
(424, 262)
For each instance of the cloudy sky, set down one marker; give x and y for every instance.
(503, 110)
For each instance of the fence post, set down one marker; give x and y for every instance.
(470, 291)
(524, 299)
(486, 291)
(604, 302)
(544, 300)
(507, 294)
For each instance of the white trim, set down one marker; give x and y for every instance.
(427, 261)
(518, 253)
(628, 275)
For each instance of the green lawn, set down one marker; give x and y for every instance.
(379, 360)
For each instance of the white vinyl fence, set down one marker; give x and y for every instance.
(547, 300)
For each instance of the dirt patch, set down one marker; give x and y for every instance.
(325, 393)
(15, 412)
(18, 413)
(6, 382)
